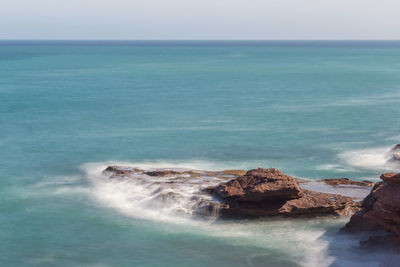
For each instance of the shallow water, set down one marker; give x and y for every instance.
(313, 110)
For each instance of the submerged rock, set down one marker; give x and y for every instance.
(381, 208)
(161, 173)
(382, 241)
(114, 171)
(346, 181)
(121, 171)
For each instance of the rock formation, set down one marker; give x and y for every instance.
(380, 209)
(260, 184)
(269, 192)
(394, 153)
(252, 194)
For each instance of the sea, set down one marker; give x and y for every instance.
(69, 109)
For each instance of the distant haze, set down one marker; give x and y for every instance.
(201, 19)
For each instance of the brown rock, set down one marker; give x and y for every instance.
(311, 204)
(119, 171)
(234, 172)
(260, 184)
(269, 192)
(386, 208)
(358, 222)
(162, 173)
(346, 181)
(391, 178)
(381, 206)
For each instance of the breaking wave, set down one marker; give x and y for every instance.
(376, 159)
(169, 199)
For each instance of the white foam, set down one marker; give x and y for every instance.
(95, 167)
(147, 197)
(377, 159)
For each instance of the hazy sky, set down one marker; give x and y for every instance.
(201, 19)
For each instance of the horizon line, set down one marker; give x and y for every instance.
(208, 40)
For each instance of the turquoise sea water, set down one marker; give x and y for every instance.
(67, 109)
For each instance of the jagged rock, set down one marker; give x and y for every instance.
(358, 222)
(391, 178)
(259, 184)
(381, 207)
(386, 209)
(346, 181)
(120, 171)
(311, 204)
(269, 192)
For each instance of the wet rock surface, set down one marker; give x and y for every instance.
(346, 181)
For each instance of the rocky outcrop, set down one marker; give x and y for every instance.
(121, 171)
(381, 208)
(114, 171)
(311, 204)
(236, 193)
(391, 178)
(260, 184)
(395, 153)
(358, 222)
(269, 192)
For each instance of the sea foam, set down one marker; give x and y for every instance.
(377, 159)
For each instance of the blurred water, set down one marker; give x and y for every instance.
(311, 109)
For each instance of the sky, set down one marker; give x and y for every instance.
(200, 20)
